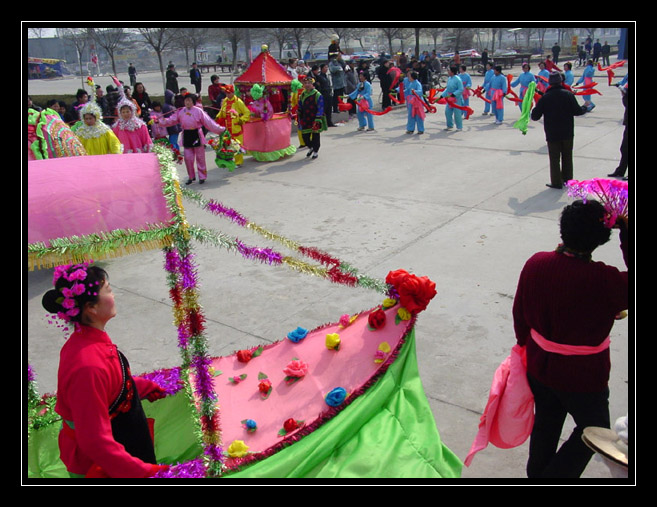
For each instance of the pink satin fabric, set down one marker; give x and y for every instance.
(349, 367)
(76, 196)
(266, 136)
(508, 418)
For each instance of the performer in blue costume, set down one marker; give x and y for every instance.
(568, 76)
(486, 86)
(454, 88)
(498, 88)
(523, 80)
(413, 103)
(587, 78)
(466, 79)
(542, 84)
(363, 92)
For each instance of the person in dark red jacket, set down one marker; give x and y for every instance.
(565, 300)
(558, 106)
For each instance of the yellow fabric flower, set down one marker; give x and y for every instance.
(238, 449)
(404, 314)
(332, 341)
(389, 302)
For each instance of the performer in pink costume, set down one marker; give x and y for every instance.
(192, 118)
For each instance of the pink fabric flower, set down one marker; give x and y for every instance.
(296, 368)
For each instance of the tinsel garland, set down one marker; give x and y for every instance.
(40, 410)
(183, 286)
(336, 270)
(97, 246)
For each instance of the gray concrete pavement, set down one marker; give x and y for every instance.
(465, 208)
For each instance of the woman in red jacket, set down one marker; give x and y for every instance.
(105, 432)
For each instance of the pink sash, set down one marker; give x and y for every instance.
(498, 97)
(568, 350)
(508, 418)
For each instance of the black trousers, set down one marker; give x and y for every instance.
(622, 165)
(546, 458)
(311, 140)
(560, 154)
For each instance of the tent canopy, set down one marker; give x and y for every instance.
(265, 69)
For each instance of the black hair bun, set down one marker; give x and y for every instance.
(49, 301)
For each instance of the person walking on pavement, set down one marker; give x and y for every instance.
(587, 79)
(622, 165)
(132, 73)
(498, 89)
(558, 108)
(488, 77)
(195, 77)
(323, 84)
(311, 118)
(564, 308)
(454, 88)
(172, 79)
(363, 92)
(337, 80)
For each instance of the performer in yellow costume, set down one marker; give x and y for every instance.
(233, 115)
(96, 137)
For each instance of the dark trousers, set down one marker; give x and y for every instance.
(551, 409)
(622, 165)
(311, 140)
(561, 161)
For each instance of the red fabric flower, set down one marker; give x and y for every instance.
(290, 425)
(414, 292)
(377, 319)
(264, 386)
(394, 278)
(244, 356)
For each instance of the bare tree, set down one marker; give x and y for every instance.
(192, 38)
(110, 39)
(279, 35)
(434, 33)
(299, 35)
(160, 39)
(79, 38)
(395, 33)
(235, 35)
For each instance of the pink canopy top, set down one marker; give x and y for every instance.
(76, 196)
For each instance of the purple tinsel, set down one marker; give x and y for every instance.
(183, 337)
(194, 469)
(219, 209)
(204, 385)
(167, 379)
(30, 373)
(187, 272)
(262, 254)
(214, 452)
(171, 261)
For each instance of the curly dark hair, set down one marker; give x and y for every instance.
(582, 226)
(95, 279)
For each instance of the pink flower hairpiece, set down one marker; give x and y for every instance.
(75, 273)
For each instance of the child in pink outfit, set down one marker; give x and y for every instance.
(191, 119)
(130, 129)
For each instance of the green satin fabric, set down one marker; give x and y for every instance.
(388, 432)
(175, 438)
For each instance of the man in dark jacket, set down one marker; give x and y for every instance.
(558, 107)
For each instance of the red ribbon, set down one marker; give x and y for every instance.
(364, 106)
(612, 66)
